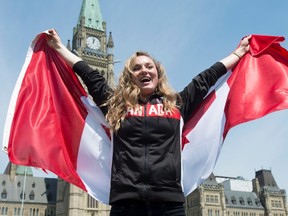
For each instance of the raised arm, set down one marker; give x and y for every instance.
(54, 41)
(231, 60)
(94, 81)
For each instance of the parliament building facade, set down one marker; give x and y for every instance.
(24, 194)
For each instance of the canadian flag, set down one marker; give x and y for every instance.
(52, 124)
(257, 86)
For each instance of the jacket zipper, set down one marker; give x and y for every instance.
(145, 156)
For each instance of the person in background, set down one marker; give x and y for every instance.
(145, 114)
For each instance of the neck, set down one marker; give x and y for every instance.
(144, 98)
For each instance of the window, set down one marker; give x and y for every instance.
(241, 200)
(4, 194)
(32, 195)
(209, 212)
(17, 211)
(91, 202)
(22, 196)
(249, 201)
(49, 212)
(233, 200)
(216, 199)
(212, 199)
(193, 201)
(272, 203)
(276, 203)
(34, 212)
(207, 199)
(257, 201)
(4, 211)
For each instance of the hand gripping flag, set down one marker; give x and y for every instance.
(257, 86)
(52, 124)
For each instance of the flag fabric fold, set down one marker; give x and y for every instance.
(259, 83)
(52, 124)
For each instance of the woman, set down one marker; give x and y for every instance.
(145, 116)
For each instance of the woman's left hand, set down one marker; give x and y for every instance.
(244, 47)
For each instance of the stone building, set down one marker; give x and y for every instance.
(238, 197)
(24, 194)
(217, 196)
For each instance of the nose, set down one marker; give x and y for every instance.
(143, 70)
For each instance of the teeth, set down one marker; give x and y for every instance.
(145, 79)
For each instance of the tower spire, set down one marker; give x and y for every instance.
(91, 13)
(110, 45)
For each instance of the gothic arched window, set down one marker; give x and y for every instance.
(4, 194)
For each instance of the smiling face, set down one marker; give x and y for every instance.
(145, 75)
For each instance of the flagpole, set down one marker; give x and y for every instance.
(23, 193)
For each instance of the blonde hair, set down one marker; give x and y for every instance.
(127, 93)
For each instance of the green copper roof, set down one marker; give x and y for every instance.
(92, 13)
(21, 170)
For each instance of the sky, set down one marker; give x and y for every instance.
(187, 36)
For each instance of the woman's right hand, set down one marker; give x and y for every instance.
(53, 39)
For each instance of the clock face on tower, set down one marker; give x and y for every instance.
(93, 42)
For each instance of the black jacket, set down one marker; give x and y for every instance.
(146, 162)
